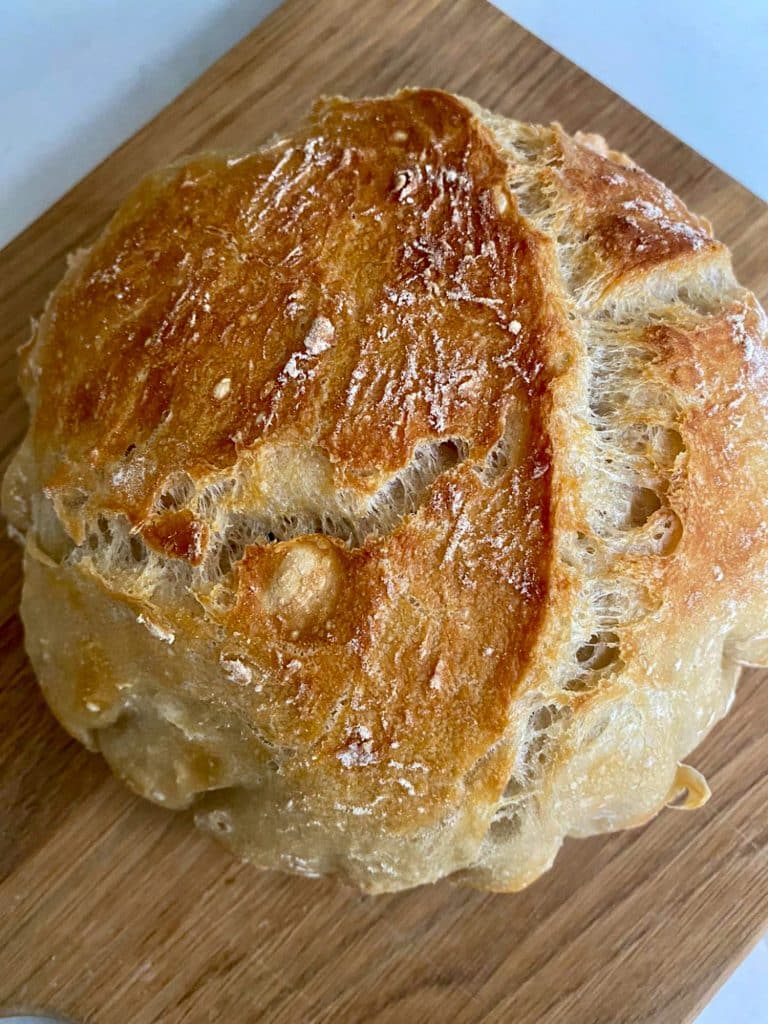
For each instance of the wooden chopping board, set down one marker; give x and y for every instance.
(112, 910)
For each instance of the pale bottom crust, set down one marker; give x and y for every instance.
(150, 707)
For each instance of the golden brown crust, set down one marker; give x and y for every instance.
(177, 534)
(362, 289)
(361, 270)
(626, 221)
(400, 487)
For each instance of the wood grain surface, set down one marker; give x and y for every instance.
(112, 910)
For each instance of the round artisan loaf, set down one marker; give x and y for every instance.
(395, 495)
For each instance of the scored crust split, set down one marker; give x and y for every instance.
(395, 495)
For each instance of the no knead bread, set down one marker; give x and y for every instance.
(395, 495)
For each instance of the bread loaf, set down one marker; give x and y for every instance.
(394, 495)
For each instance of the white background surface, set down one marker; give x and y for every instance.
(77, 77)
